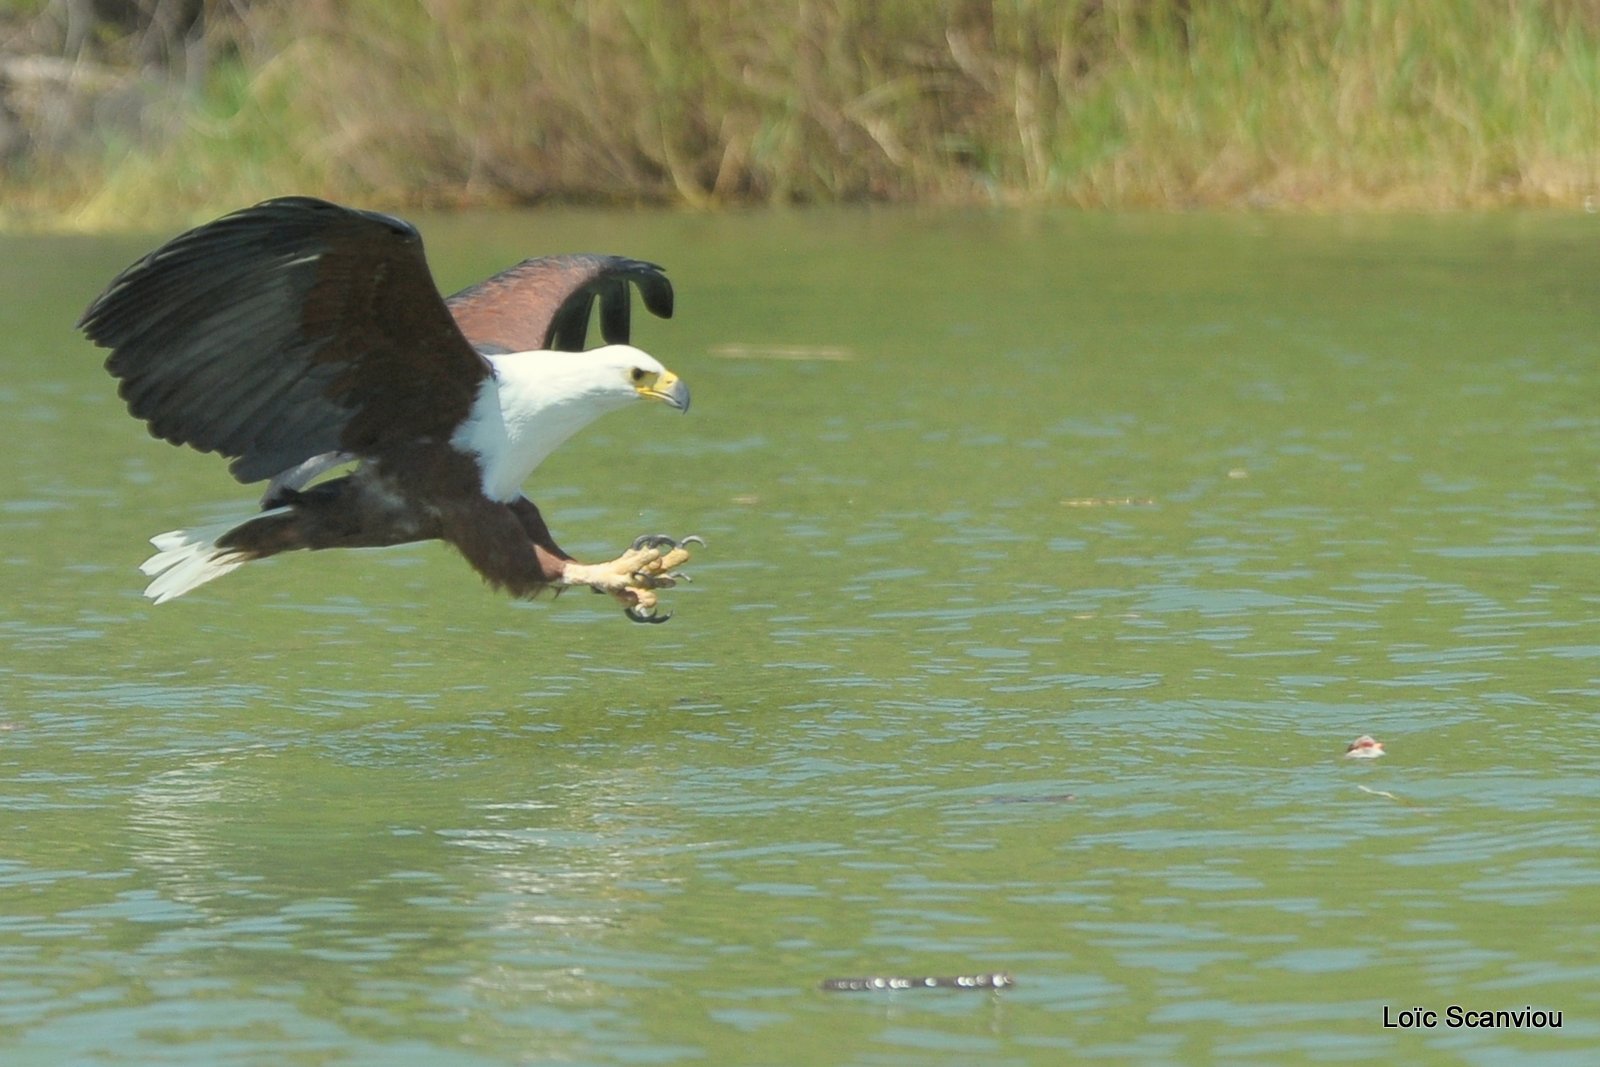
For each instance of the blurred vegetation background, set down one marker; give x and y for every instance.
(119, 113)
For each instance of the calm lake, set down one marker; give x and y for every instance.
(1052, 561)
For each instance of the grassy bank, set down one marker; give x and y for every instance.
(1298, 104)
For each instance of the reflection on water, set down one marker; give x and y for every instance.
(1052, 563)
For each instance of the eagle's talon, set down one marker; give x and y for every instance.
(650, 580)
(662, 541)
(636, 576)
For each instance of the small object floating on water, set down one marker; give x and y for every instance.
(791, 353)
(1393, 797)
(877, 983)
(1364, 747)
(1108, 502)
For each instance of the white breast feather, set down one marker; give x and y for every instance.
(534, 402)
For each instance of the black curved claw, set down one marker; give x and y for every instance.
(635, 615)
(663, 541)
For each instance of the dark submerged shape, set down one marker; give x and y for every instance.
(880, 983)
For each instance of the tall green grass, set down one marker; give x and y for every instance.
(1320, 104)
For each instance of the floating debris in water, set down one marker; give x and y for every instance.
(1364, 747)
(1108, 502)
(875, 984)
(1393, 797)
(788, 353)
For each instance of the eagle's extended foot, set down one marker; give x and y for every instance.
(634, 576)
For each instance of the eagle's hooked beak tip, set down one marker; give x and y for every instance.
(670, 389)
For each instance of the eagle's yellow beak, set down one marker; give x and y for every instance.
(665, 386)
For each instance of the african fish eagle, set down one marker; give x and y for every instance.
(298, 336)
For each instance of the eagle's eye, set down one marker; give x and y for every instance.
(637, 374)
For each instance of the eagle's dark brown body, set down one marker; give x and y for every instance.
(509, 544)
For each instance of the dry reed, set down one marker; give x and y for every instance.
(1323, 104)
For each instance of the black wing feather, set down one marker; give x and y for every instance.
(571, 324)
(286, 330)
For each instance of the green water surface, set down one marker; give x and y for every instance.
(1052, 562)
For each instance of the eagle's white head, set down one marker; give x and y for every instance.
(536, 400)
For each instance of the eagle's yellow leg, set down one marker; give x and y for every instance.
(634, 576)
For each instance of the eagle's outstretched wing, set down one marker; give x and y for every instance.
(285, 331)
(545, 303)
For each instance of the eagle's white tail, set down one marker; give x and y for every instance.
(189, 558)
